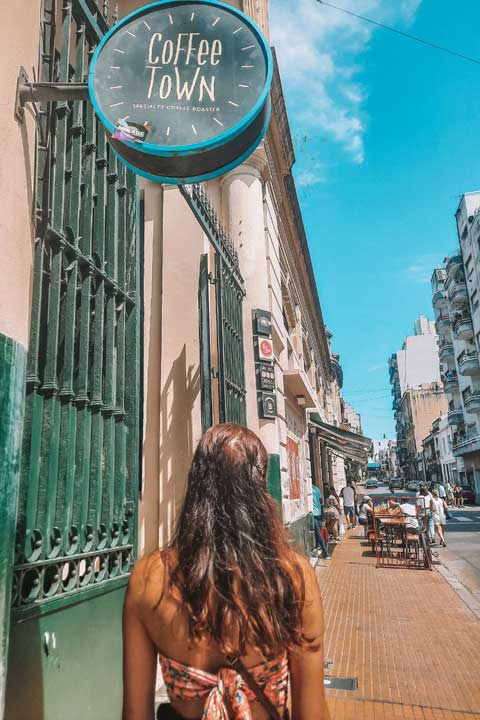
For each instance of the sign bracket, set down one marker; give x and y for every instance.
(38, 92)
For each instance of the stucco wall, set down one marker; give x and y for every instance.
(18, 46)
(180, 410)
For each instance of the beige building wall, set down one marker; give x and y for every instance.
(149, 502)
(18, 46)
(426, 405)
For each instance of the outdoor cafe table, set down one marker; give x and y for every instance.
(390, 524)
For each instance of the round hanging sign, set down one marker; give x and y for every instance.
(182, 88)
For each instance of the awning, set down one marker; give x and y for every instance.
(342, 442)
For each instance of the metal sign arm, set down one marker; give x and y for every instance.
(33, 92)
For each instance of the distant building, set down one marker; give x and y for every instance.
(420, 407)
(384, 456)
(352, 419)
(439, 462)
(415, 366)
(417, 362)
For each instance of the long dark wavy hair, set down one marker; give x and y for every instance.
(231, 565)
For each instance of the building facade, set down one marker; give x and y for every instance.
(439, 462)
(416, 365)
(384, 457)
(419, 408)
(131, 317)
(352, 418)
(455, 298)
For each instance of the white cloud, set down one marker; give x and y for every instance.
(311, 176)
(320, 51)
(421, 268)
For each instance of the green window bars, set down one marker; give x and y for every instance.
(80, 459)
(229, 294)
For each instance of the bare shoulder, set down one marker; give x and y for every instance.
(312, 614)
(308, 572)
(147, 580)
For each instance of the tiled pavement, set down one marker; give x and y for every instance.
(405, 634)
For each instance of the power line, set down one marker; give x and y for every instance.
(428, 43)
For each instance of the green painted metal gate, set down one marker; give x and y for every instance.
(229, 293)
(80, 459)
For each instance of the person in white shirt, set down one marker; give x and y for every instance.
(424, 505)
(438, 516)
(349, 496)
(409, 511)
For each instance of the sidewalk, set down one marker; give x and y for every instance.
(405, 634)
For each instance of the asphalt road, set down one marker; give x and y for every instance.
(462, 554)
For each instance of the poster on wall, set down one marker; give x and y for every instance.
(293, 468)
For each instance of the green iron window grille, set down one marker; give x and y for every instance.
(79, 469)
(229, 294)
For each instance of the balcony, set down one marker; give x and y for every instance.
(463, 327)
(454, 263)
(337, 368)
(455, 417)
(471, 400)
(439, 299)
(464, 443)
(450, 381)
(457, 294)
(442, 323)
(446, 351)
(468, 364)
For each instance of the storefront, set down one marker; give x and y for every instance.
(150, 312)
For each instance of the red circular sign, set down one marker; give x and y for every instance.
(266, 348)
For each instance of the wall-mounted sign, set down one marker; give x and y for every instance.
(265, 374)
(265, 349)
(262, 322)
(267, 406)
(182, 89)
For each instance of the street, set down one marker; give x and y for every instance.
(459, 562)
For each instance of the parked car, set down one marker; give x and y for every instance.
(396, 482)
(371, 483)
(468, 496)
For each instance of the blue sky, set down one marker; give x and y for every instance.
(387, 136)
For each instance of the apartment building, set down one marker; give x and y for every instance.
(456, 300)
(415, 365)
(419, 408)
(439, 462)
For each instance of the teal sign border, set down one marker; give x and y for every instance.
(194, 149)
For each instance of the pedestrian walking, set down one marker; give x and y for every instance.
(231, 612)
(332, 517)
(438, 515)
(449, 493)
(457, 491)
(424, 503)
(317, 518)
(348, 495)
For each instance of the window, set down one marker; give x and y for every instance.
(468, 266)
(475, 300)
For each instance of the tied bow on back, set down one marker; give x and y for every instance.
(231, 688)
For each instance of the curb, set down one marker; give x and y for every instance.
(470, 601)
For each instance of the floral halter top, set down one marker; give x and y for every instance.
(184, 682)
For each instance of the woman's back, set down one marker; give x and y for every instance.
(227, 586)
